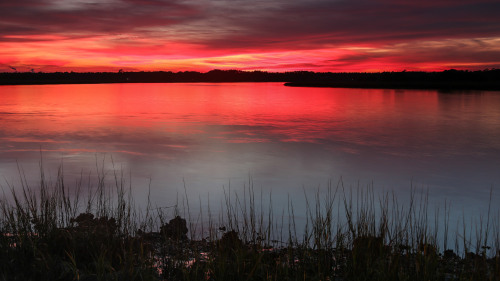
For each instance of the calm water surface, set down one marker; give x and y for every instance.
(288, 141)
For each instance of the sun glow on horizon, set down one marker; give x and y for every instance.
(281, 35)
(103, 53)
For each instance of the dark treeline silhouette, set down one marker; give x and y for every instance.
(142, 77)
(488, 79)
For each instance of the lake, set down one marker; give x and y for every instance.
(201, 140)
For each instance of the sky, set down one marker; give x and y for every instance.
(268, 35)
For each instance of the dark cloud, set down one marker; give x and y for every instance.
(341, 22)
(260, 23)
(45, 17)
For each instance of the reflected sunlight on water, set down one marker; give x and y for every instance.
(287, 140)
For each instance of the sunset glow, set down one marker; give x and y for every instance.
(281, 35)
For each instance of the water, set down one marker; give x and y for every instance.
(203, 139)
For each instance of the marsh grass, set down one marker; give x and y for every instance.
(94, 231)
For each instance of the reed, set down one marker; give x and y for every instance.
(56, 231)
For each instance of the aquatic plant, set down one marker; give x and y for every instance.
(55, 232)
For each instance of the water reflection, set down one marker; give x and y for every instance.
(206, 136)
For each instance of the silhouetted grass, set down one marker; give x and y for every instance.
(58, 232)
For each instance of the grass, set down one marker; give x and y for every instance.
(56, 231)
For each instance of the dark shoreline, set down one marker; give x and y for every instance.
(444, 80)
(46, 235)
(457, 85)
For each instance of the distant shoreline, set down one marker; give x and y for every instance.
(400, 85)
(445, 80)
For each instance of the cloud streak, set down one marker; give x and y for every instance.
(199, 35)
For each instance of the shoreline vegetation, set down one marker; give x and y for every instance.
(94, 231)
(452, 79)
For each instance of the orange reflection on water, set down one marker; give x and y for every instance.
(235, 112)
(208, 133)
(181, 115)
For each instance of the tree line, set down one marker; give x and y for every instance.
(488, 78)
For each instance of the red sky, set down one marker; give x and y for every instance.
(272, 35)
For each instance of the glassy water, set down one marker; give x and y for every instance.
(203, 139)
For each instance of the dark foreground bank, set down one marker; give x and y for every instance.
(48, 234)
(449, 79)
